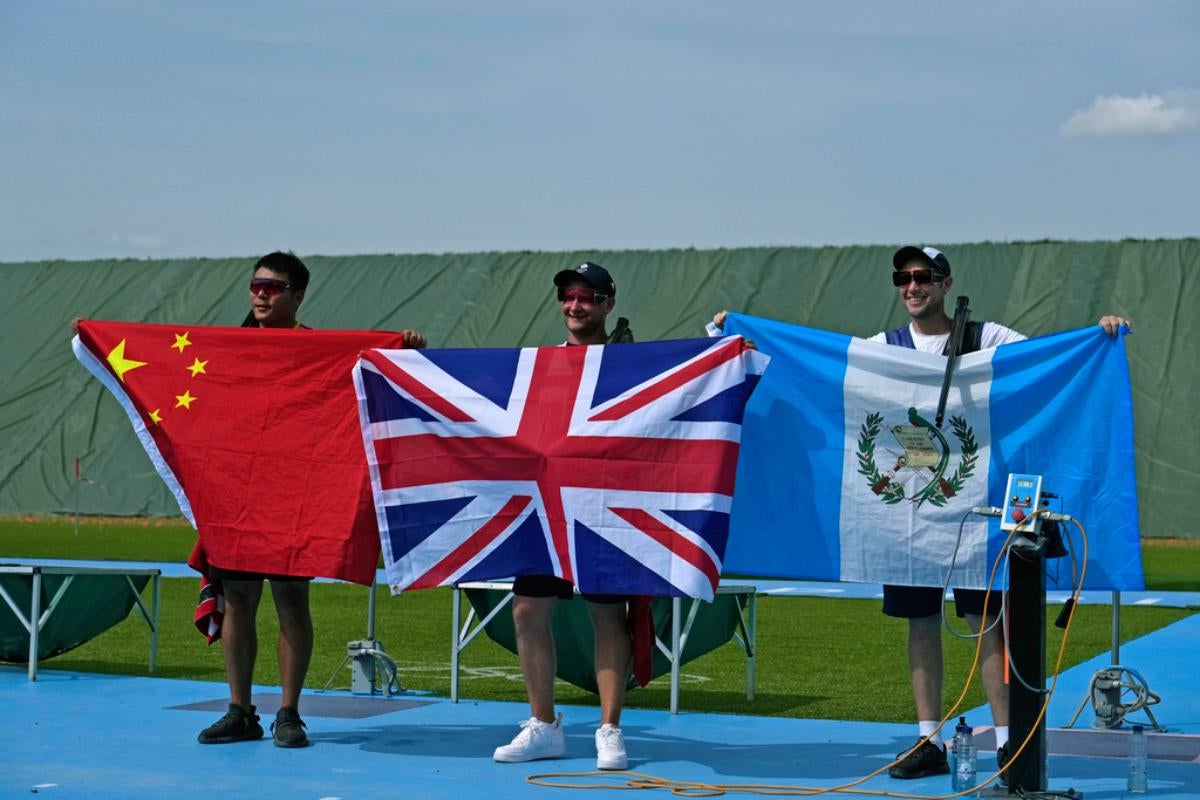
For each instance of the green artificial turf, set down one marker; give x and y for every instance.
(122, 539)
(812, 654)
(817, 658)
(1169, 564)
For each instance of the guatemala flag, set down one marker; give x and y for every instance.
(844, 476)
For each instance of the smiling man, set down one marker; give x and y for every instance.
(922, 279)
(921, 276)
(586, 295)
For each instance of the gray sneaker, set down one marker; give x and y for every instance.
(288, 728)
(238, 725)
(536, 740)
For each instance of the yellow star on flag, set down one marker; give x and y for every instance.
(121, 364)
(185, 400)
(198, 367)
(181, 341)
(154, 417)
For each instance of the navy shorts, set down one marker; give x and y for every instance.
(913, 602)
(550, 586)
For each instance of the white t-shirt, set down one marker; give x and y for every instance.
(993, 335)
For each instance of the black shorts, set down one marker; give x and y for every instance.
(222, 574)
(550, 586)
(913, 602)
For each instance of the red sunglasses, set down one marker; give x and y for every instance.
(915, 276)
(581, 294)
(272, 286)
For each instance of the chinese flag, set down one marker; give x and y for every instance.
(256, 433)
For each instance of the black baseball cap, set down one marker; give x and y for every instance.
(930, 256)
(591, 272)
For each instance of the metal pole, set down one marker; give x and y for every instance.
(676, 653)
(455, 610)
(751, 671)
(371, 613)
(155, 599)
(1116, 629)
(35, 622)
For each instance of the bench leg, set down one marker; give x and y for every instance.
(676, 612)
(455, 612)
(35, 615)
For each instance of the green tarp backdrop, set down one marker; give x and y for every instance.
(52, 411)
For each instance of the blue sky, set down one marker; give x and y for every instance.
(154, 129)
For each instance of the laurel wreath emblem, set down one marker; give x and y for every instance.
(893, 492)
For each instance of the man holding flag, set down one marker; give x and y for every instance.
(610, 469)
(276, 291)
(586, 296)
(255, 435)
(922, 277)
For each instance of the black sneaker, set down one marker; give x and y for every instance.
(288, 728)
(928, 759)
(1002, 759)
(238, 725)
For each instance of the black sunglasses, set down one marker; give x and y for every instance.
(918, 276)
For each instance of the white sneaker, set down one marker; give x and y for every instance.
(610, 748)
(536, 740)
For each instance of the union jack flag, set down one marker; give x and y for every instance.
(609, 466)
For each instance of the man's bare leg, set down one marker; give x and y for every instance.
(925, 665)
(295, 645)
(239, 638)
(991, 666)
(613, 651)
(535, 650)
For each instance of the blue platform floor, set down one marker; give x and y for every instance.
(74, 735)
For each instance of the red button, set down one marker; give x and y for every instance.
(1018, 515)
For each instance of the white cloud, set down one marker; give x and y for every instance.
(1144, 115)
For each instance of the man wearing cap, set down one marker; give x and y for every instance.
(586, 295)
(922, 278)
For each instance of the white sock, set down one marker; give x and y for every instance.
(928, 726)
(1001, 736)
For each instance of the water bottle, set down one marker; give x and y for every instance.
(965, 772)
(1137, 761)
